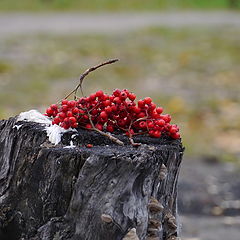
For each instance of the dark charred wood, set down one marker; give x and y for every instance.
(98, 193)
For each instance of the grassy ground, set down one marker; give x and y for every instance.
(193, 74)
(103, 5)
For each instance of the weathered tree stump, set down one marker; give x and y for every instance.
(107, 192)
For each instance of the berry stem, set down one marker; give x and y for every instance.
(108, 135)
(85, 74)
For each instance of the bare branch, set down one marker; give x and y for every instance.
(86, 73)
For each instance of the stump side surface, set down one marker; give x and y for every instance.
(49, 191)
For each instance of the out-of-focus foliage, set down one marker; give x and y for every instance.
(193, 73)
(103, 5)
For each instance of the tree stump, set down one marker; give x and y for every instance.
(70, 191)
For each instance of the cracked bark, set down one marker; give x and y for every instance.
(99, 193)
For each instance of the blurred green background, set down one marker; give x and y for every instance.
(96, 5)
(193, 72)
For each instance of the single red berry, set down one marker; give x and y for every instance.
(152, 106)
(102, 120)
(54, 107)
(136, 109)
(155, 115)
(116, 92)
(173, 129)
(72, 119)
(151, 133)
(64, 108)
(64, 102)
(147, 100)
(103, 115)
(111, 97)
(74, 125)
(159, 110)
(107, 103)
(99, 126)
(104, 97)
(121, 122)
(142, 124)
(94, 112)
(49, 112)
(85, 117)
(123, 95)
(117, 100)
(150, 124)
(108, 109)
(110, 128)
(132, 96)
(75, 110)
(55, 113)
(62, 115)
(167, 126)
(88, 126)
(166, 118)
(66, 120)
(114, 108)
(175, 135)
(176, 126)
(71, 104)
(160, 122)
(141, 104)
(89, 145)
(115, 117)
(141, 115)
(92, 97)
(64, 125)
(157, 134)
(99, 93)
(57, 120)
(69, 114)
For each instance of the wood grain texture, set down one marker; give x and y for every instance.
(99, 193)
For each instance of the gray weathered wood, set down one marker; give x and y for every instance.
(102, 193)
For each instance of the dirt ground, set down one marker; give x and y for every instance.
(209, 228)
(209, 200)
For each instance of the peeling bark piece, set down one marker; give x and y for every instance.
(60, 192)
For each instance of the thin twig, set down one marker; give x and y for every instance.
(86, 73)
(108, 135)
(133, 143)
(111, 137)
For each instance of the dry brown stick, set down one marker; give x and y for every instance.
(111, 137)
(86, 73)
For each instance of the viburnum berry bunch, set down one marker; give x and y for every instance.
(118, 112)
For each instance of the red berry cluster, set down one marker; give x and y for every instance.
(116, 112)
